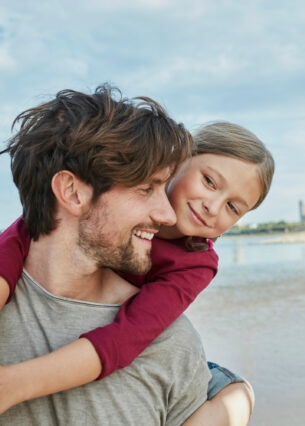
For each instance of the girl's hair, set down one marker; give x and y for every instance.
(232, 140)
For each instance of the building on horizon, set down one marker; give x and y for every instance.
(302, 211)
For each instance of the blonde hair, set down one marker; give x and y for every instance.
(232, 140)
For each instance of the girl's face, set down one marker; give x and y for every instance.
(210, 193)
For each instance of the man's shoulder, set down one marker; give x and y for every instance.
(180, 339)
(182, 331)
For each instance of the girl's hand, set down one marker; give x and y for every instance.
(4, 292)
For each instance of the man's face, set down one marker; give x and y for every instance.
(118, 228)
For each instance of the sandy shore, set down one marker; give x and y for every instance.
(260, 335)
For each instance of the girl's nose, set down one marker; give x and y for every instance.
(211, 206)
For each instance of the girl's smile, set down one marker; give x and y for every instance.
(210, 193)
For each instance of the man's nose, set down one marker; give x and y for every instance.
(163, 213)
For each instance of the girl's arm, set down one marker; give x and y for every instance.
(14, 247)
(70, 366)
(143, 317)
(4, 292)
(139, 321)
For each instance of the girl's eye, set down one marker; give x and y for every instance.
(233, 208)
(209, 181)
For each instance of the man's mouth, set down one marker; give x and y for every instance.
(144, 234)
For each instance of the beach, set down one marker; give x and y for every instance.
(252, 320)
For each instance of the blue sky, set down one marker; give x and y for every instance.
(202, 59)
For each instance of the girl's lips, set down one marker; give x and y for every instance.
(197, 216)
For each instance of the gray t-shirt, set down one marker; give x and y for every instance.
(163, 386)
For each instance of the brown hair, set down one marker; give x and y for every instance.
(102, 138)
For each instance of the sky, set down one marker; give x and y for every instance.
(202, 59)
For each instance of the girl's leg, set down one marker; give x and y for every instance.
(230, 400)
(232, 406)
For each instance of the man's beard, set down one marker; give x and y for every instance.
(122, 257)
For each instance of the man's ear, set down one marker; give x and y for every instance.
(71, 193)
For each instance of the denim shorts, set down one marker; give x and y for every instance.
(221, 377)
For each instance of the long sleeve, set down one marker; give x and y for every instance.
(175, 280)
(14, 247)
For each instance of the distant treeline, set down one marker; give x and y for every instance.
(268, 227)
(261, 228)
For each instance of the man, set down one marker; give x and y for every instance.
(91, 172)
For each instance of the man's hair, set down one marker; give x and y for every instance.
(103, 138)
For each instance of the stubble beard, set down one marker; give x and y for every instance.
(98, 247)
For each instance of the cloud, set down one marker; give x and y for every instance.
(289, 57)
(115, 5)
(7, 63)
(203, 60)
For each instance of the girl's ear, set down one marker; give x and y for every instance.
(71, 193)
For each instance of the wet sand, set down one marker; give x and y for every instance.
(259, 333)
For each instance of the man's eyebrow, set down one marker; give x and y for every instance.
(158, 181)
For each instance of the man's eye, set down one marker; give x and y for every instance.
(146, 190)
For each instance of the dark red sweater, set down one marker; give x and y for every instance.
(174, 281)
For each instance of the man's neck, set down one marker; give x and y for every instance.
(60, 267)
(56, 267)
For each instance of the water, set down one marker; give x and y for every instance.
(258, 260)
(252, 319)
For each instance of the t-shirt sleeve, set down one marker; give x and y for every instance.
(14, 247)
(142, 318)
(191, 376)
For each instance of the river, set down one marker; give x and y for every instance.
(252, 319)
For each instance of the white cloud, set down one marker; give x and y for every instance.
(297, 136)
(290, 57)
(203, 60)
(7, 63)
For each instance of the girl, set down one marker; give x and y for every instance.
(229, 174)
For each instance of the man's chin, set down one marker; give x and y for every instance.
(141, 268)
